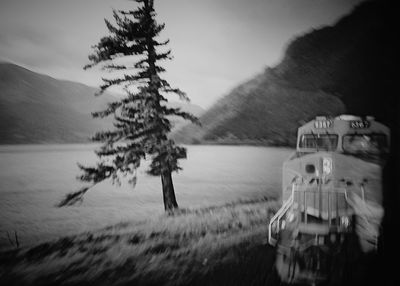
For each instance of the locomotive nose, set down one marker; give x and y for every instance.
(318, 165)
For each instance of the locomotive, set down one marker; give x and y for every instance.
(331, 193)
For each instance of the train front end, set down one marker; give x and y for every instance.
(332, 196)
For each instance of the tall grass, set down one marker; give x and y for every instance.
(207, 245)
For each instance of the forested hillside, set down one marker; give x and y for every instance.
(345, 68)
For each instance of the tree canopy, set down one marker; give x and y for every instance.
(142, 118)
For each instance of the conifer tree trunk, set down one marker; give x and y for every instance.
(166, 179)
(170, 203)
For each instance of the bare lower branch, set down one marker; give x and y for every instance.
(73, 198)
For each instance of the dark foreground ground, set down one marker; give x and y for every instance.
(211, 246)
(224, 245)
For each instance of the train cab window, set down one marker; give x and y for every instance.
(374, 144)
(326, 142)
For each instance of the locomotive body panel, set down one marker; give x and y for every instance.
(346, 172)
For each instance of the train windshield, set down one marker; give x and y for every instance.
(373, 144)
(326, 142)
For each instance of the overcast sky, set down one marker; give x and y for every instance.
(216, 43)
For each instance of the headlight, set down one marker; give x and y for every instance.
(345, 221)
(310, 169)
(326, 166)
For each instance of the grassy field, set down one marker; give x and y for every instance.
(222, 245)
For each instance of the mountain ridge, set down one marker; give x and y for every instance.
(37, 108)
(327, 71)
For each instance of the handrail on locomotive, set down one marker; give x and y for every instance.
(275, 222)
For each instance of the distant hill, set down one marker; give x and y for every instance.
(36, 108)
(329, 71)
(263, 110)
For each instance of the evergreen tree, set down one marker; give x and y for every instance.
(141, 118)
